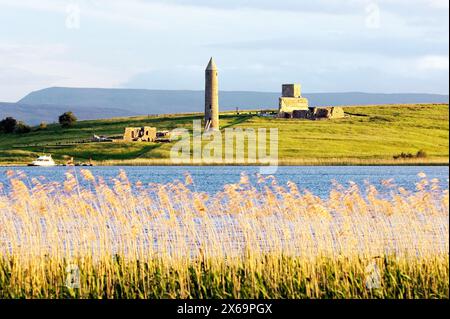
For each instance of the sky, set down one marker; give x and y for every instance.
(379, 46)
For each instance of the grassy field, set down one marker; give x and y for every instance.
(368, 135)
(260, 240)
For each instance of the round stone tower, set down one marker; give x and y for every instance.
(211, 97)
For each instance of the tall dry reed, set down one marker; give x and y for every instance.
(261, 240)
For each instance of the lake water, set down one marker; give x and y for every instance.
(210, 179)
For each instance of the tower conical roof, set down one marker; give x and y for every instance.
(211, 65)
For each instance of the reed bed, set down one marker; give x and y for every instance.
(250, 240)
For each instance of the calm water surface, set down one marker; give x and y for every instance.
(211, 179)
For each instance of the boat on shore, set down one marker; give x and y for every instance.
(44, 160)
(47, 161)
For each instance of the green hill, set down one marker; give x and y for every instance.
(368, 135)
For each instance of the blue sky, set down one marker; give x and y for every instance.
(387, 46)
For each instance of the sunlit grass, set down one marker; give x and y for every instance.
(367, 135)
(261, 240)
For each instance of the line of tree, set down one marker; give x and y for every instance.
(11, 125)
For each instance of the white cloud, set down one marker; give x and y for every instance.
(433, 63)
(439, 4)
(31, 67)
(41, 5)
(265, 42)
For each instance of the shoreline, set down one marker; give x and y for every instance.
(296, 162)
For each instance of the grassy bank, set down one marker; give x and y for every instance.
(260, 240)
(370, 135)
(293, 162)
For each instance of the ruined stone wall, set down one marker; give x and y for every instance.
(337, 112)
(291, 100)
(318, 113)
(130, 134)
(303, 114)
(148, 134)
(136, 134)
(293, 105)
(289, 104)
(329, 113)
(322, 112)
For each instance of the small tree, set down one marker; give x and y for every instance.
(21, 127)
(8, 124)
(67, 119)
(421, 154)
(43, 126)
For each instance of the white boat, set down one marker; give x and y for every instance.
(44, 160)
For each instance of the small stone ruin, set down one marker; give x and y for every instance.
(319, 113)
(293, 105)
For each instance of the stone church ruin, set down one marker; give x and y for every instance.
(293, 105)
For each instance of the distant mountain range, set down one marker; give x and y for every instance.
(34, 114)
(91, 103)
